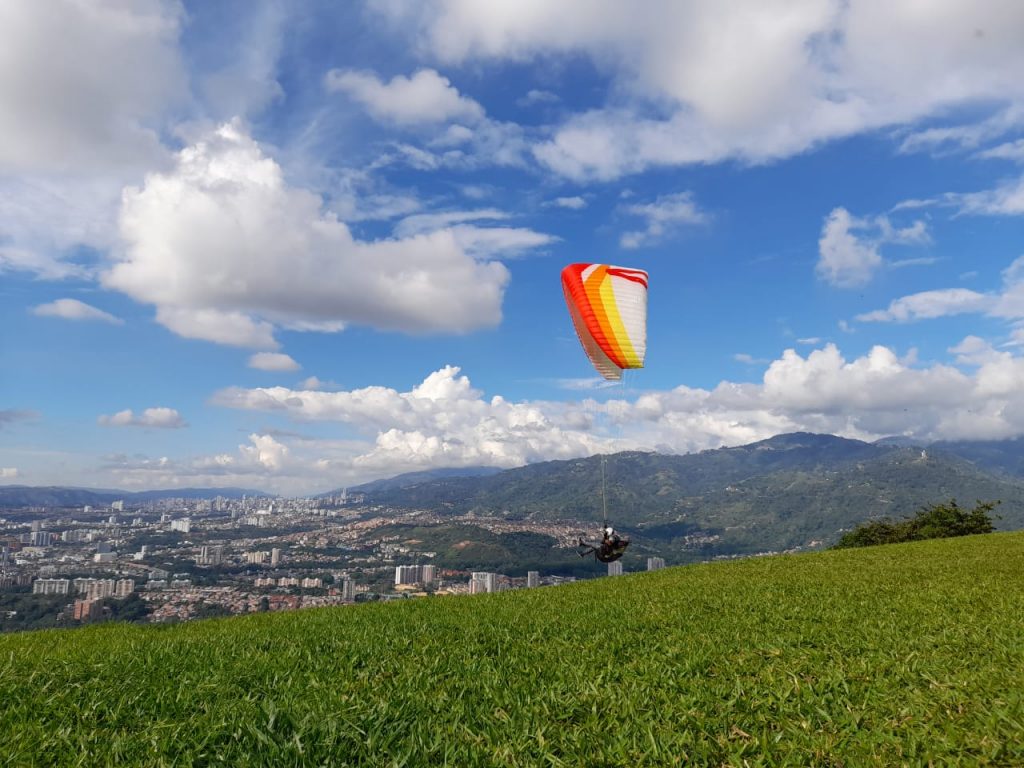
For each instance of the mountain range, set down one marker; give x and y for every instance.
(62, 496)
(790, 491)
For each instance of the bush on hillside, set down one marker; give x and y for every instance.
(935, 521)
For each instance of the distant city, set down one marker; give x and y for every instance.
(178, 559)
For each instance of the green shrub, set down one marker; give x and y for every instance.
(935, 521)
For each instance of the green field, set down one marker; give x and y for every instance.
(908, 654)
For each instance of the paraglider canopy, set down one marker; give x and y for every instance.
(608, 306)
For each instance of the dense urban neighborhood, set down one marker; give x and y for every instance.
(177, 559)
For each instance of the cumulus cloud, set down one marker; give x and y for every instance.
(162, 418)
(755, 81)
(663, 216)
(443, 421)
(848, 250)
(263, 460)
(73, 309)
(446, 422)
(273, 361)
(425, 97)
(281, 259)
(104, 109)
(78, 126)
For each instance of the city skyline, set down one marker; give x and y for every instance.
(299, 247)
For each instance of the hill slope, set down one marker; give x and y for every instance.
(910, 654)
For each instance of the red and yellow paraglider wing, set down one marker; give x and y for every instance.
(608, 306)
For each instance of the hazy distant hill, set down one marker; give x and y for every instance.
(415, 478)
(59, 496)
(787, 491)
(1005, 456)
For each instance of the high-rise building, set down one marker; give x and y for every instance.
(348, 590)
(103, 547)
(415, 574)
(50, 587)
(533, 578)
(210, 555)
(655, 563)
(182, 526)
(117, 505)
(615, 569)
(85, 610)
(481, 582)
(124, 587)
(256, 558)
(275, 557)
(40, 538)
(312, 583)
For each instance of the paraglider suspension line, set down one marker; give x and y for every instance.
(604, 497)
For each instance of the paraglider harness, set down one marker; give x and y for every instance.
(612, 546)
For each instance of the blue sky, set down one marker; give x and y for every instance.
(296, 246)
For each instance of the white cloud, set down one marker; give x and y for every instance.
(538, 96)
(930, 304)
(445, 421)
(8, 473)
(480, 242)
(848, 249)
(73, 309)
(968, 136)
(1011, 150)
(78, 125)
(1007, 199)
(98, 103)
(1007, 303)
(264, 461)
(163, 418)
(698, 81)
(810, 341)
(273, 361)
(747, 359)
(421, 223)
(666, 214)
(425, 97)
(281, 260)
(574, 203)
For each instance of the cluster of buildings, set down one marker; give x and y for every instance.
(289, 581)
(243, 555)
(93, 589)
(415, 574)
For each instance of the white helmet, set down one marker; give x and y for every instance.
(609, 532)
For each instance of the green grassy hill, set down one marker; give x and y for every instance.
(909, 654)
